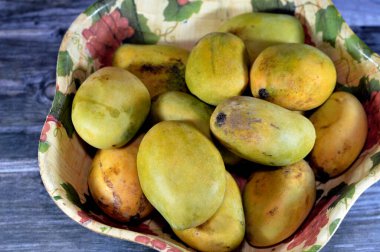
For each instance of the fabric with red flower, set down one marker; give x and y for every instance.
(372, 108)
(106, 35)
(84, 217)
(317, 219)
(46, 127)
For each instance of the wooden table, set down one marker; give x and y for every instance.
(30, 34)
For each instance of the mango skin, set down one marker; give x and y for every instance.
(160, 67)
(114, 184)
(109, 108)
(181, 173)
(174, 105)
(261, 131)
(179, 106)
(261, 30)
(341, 128)
(225, 230)
(217, 68)
(276, 202)
(294, 76)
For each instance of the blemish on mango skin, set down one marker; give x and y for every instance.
(221, 119)
(151, 68)
(273, 211)
(263, 93)
(274, 126)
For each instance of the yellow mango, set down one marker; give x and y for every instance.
(261, 30)
(294, 76)
(181, 173)
(225, 230)
(160, 67)
(261, 131)
(217, 68)
(114, 184)
(277, 201)
(341, 129)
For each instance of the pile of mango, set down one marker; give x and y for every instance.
(167, 123)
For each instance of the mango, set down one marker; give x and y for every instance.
(225, 230)
(261, 30)
(179, 106)
(181, 173)
(174, 105)
(261, 131)
(109, 108)
(294, 76)
(277, 201)
(341, 129)
(217, 68)
(160, 67)
(114, 184)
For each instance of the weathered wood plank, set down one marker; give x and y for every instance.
(359, 12)
(30, 35)
(30, 221)
(19, 145)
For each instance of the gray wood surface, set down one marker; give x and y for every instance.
(30, 34)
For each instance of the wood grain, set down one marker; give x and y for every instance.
(32, 222)
(30, 35)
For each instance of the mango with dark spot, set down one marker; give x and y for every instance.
(294, 76)
(225, 230)
(261, 131)
(181, 173)
(217, 68)
(261, 30)
(109, 108)
(160, 67)
(114, 184)
(277, 201)
(341, 128)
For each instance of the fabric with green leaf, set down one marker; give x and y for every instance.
(99, 8)
(65, 63)
(329, 22)
(276, 6)
(61, 109)
(334, 225)
(376, 160)
(314, 248)
(177, 12)
(43, 147)
(357, 48)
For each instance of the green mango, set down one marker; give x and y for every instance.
(181, 173)
(179, 106)
(261, 30)
(225, 230)
(277, 201)
(261, 131)
(109, 108)
(217, 68)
